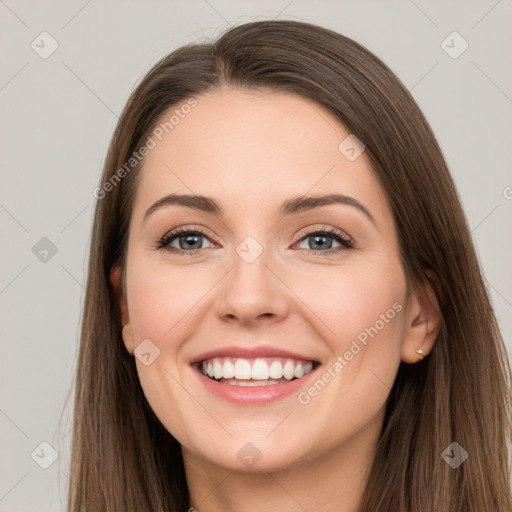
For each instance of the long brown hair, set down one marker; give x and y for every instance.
(124, 459)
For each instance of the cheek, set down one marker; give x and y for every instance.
(161, 304)
(356, 302)
(368, 310)
(360, 312)
(161, 297)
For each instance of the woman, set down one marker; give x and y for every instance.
(284, 309)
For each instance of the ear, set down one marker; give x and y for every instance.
(424, 321)
(117, 285)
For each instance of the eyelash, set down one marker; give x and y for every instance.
(346, 243)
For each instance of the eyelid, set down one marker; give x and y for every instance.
(164, 241)
(347, 242)
(307, 231)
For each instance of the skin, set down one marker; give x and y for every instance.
(251, 151)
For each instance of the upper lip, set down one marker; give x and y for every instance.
(250, 353)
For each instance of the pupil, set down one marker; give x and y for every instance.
(319, 241)
(187, 238)
(320, 237)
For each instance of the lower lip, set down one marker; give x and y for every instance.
(253, 395)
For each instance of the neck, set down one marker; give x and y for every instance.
(331, 482)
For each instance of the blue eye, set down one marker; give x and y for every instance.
(190, 241)
(322, 239)
(187, 239)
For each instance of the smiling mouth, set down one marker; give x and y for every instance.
(264, 371)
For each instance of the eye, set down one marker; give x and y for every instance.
(182, 240)
(322, 241)
(190, 241)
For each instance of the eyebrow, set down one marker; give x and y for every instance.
(288, 207)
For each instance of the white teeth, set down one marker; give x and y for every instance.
(228, 370)
(217, 369)
(288, 370)
(242, 369)
(276, 370)
(254, 383)
(298, 371)
(260, 369)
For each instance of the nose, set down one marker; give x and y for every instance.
(253, 292)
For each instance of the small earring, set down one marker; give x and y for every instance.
(420, 353)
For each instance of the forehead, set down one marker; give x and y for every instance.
(254, 150)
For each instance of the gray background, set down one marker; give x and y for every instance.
(58, 115)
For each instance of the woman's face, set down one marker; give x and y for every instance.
(265, 285)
